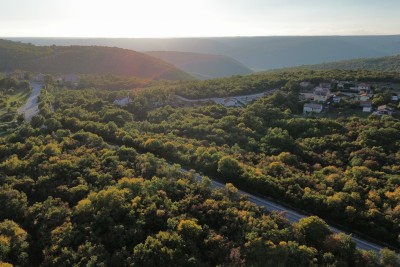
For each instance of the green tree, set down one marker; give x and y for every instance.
(13, 243)
(37, 121)
(313, 231)
(163, 249)
(389, 258)
(189, 228)
(13, 203)
(277, 140)
(229, 167)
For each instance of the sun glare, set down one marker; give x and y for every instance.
(138, 19)
(178, 18)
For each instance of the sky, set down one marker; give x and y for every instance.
(197, 18)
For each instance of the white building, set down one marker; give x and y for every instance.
(366, 106)
(122, 102)
(322, 94)
(363, 87)
(384, 110)
(367, 109)
(312, 107)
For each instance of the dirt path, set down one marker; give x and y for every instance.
(31, 108)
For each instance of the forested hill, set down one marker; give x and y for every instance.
(203, 66)
(85, 59)
(258, 53)
(390, 63)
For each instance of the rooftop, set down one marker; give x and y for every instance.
(313, 105)
(384, 107)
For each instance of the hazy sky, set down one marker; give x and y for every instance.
(187, 18)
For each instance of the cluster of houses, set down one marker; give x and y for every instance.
(321, 96)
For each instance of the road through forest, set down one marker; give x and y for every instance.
(31, 107)
(292, 215)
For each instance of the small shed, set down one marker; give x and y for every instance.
(367, 109)
(312, 107)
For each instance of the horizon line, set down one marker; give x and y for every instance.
(198, 37)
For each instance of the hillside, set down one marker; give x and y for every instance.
(257, 53)
(203, 66)
(390, 63)
(84, 59)
(292, 51)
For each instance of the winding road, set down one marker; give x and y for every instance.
(31, 107)
(292, 215)
(242, 99)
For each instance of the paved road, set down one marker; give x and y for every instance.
(217, 98)
(292, 215)
(31, 107)
(241, 99)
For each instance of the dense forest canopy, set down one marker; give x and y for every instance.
(87, 182)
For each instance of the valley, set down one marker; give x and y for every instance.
(103, 154)
(256, 133)
(258, 53)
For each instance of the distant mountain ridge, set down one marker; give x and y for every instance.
(257, 53)
(203, 66)
(85, 60)
(390, 63)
